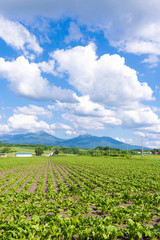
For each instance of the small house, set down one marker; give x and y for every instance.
(23, 155)
(52, 154)
(3, 154)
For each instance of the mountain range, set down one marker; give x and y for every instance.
(82, 141)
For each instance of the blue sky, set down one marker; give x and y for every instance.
(81, 67)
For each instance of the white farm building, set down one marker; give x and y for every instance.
(3, 154)
(23, 155)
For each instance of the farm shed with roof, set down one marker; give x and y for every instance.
(3, 154)
(23, 155)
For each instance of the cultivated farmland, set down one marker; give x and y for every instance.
(80, 198)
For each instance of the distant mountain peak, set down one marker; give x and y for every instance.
(85, 135)
(81, 141)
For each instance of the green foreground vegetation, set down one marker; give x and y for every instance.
(80, 197)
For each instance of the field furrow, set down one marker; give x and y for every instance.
(82, 177)
(12, 170)
(74, 178)
(22, 176)
(33, 187)
(7, 183)
(54, 178)
(33, 172)
(46, 179)
(64, 172)
(61, 176)
(81, 198)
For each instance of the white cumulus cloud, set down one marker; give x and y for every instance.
(4, 129)
(71, 132)
(132, 26)
(17, 36)
(74, 33)
(107, 80)
(33, 110)
(60, 126)
(27, 123)
(25, 79)
(138, 117)
(47, 67)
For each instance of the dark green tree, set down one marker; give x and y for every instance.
(38, 151)
(56, 151)
(6, 150)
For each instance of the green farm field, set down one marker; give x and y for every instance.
(80, 197)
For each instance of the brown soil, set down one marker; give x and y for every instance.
(46, 179)
(71, 172)
(95, 213)
(7, 181)
(25, 173)
(33, 187)
(27, 180)
(59, 167)
(12, 170)
(125, 204)
(155, 221)
(60, 176)
(54, 179)
(1, 175)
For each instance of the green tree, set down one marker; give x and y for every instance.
(56, 151)
(6, 150)
(38, 151)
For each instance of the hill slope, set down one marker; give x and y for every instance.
(31, 138)
(82, 141)
(91, 142)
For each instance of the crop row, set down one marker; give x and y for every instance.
(74, 198)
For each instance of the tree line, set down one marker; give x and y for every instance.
(98, 151)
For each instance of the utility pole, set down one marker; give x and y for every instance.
(109, 149)
(127, 150)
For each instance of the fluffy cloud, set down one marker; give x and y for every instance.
(135, 23)
(139, 47)
(81, 123)
(143, 40)
(88, 111)
(107, 80)
(70, 133)
(85, 107)
(51, 107)
(149, 139)
(47, 67)
(86, 114)
(136, 118)
(111, 92)
(25, 79)
(24, 120)
(74, 33)
(27, 123)
(152, 60)
(17, 36)
(33, 110)
(60, 126)
(4, 129)
(138, 133)
(127, 141)
(152, 128)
